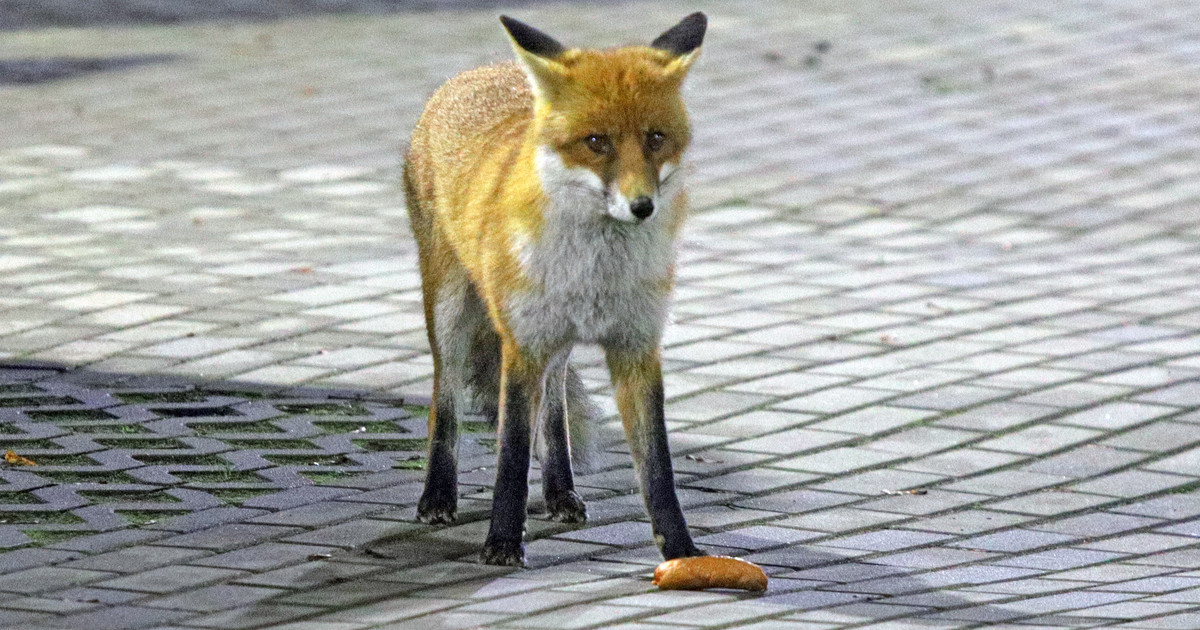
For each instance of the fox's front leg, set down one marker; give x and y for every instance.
(519, 383)
(637, 377)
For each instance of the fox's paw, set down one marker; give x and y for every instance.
(437, 507)
(503, 553)
(566, 507)
(685, 549)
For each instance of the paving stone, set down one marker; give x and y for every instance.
(171, 578)
(39, 579)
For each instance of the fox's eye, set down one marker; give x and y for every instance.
(655, 141)
(599, 143)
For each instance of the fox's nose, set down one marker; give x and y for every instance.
(642, 207)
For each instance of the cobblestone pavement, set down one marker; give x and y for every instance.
(934, 359)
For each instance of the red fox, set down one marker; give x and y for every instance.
(546, 197)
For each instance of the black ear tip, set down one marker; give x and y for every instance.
(684, 37)
(531, 39)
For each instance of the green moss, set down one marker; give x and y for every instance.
(43, 538)
(39, 518)
(489, 443)
(64, 460)
(353, 426)
(476, 427)
(121, 429)
(309, 460)
(144, 517)
(18, 497)
(376, 446)
(9, 429)
(331, 476)
(141, 443)
(412, 463)
(28, 445)
(181, 460)
(271, 444)
(20, 388)
(209, 428)
(139, 398)
(237, 496)
(237, 394)
(72, 476)
(326, 409)
(128, 496)
(68, 415)
(217, 476)
(193, 412)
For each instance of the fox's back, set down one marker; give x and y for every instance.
(466, 121)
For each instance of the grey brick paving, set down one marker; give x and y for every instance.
(932, 362)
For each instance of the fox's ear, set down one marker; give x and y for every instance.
(539, 53)
(683, 41)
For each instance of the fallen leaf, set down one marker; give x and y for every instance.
(912, 491)
(16, 460)
(703, 460)
(302, 270)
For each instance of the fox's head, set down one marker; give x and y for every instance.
(610, 123)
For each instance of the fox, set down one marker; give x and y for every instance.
(546, 198)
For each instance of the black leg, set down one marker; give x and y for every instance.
(439, 502)
(504, 544)
(638, 381)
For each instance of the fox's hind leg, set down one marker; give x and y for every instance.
(558, 485)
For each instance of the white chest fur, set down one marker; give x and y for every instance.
(594, 278)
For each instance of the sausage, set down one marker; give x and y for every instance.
(703, 572)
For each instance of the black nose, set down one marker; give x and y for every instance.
(641, 207)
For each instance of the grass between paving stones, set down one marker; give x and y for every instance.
(181, 460)
(227, 475)
(18, 497)
(8, 429)
(42, 538)
(358, 426)
(317, 459)
(141, 443)
(20, 388)
(64, 460)
(39, 401)
(75, 476)
(209, 428)
(193, 412)
(269, 444)
(39, 518)
(121, 429)
(376, 446)
(68, 415)
(138, 518)
(238, 496)
(140, 398)
(237, 394)
(416, 462)
(325, 409)
(128, 496)
(27, 445)
(321, 477)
